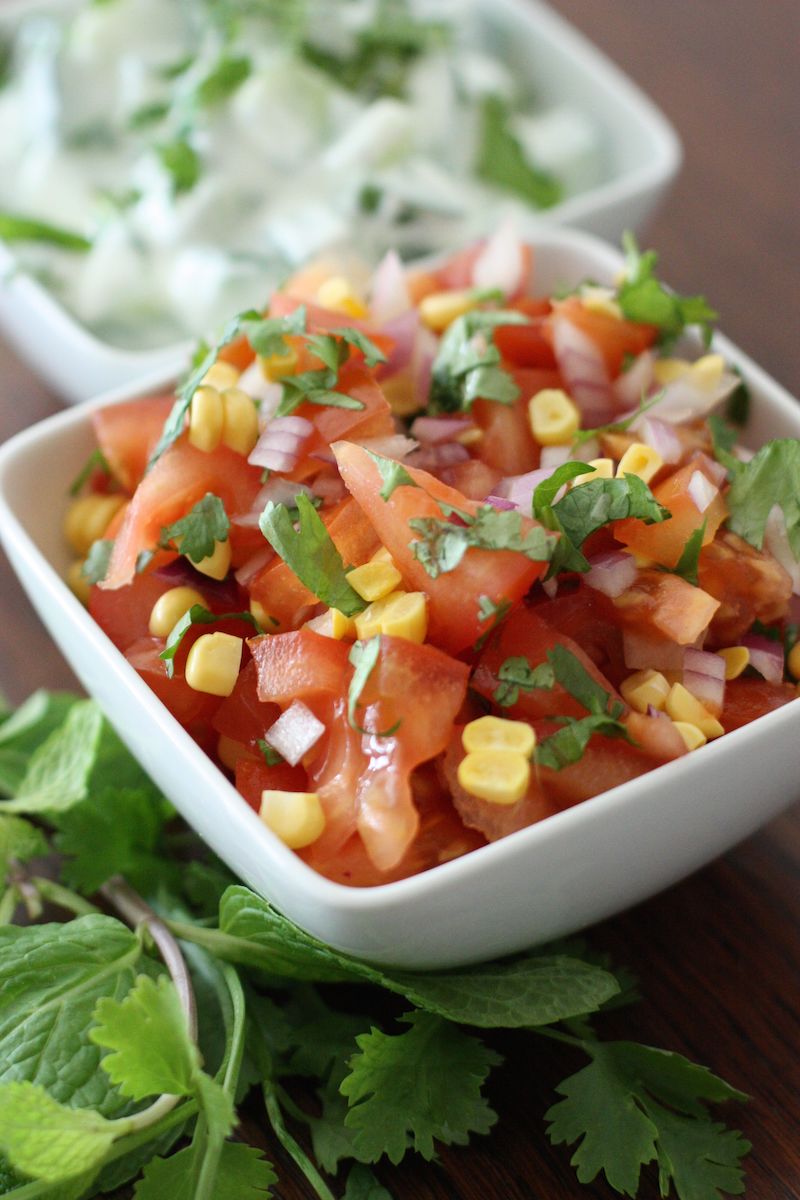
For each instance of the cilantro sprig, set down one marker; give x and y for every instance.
(467, 365)
(17, 228)
(319, 386)
(129, 1059)
(443, 542)
(567, 745)
(310, 552)
(771, 479)
(642, 297)
(196, 534)
(501, 160)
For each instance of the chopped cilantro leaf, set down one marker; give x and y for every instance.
(489, 611)
(568, 744)
(443, 543)
(501, 159)
(642, 297)
(772, 477)
(95, 462)
(687, 564)
(182, 163)
(95, 568)
(196, 534)
(228, 75)
(516, 675)
(392, 473)
(586, 435)
(198, 614)
(311, 554)
(467, 365)
(317, 387)
(17, 228)
(269, 753)
(267, 335)
(363, 657)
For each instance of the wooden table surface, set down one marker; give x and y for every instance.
(718, 955)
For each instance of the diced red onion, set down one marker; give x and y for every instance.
(704, 677)
(295, 732)
(324, 456)
(550, 587)
(278, 447)
(520, 488)
(403, 332)
(431, 458)
(432, 430)
(254, 566)
(501, 503)
(682, 400)
(553, 456)
(584, 370)
(640, 651)
(330, 487)
(662, 438)
(422, 365)
(611, 573)
(501, 262)
(389, 291)
(633, 384)
(766, 657)
(713, 470)
(701, 491)
(776, 543)
(394, 445)
(279, 491)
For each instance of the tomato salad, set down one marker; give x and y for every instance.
(423, 566)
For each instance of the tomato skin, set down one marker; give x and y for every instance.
(181, 477)
(298, 665)
(193, 709)
(666, 606)
(748, 699)
(473, 478)
(124, 615)
(587, 617)
(127, 434)
(454, 619)
(508, 444)
(242, 716)
(665, 541)
(527, 345)
(616, 339)
(254, 777)
(750, 586)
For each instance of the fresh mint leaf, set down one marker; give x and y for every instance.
(443, 543)
(615, 1109)
(516, 675)
(502, 162)
(59, 770)
(151, 1051)
(182, 163)
(196, 535)
(24, 731)
(772, 477)
(96, 461)
(688, 564)
(311, 554)
(201, 363)
(243, 1174)
(19, 842)
(468, 367)
(642, 297)
(115, 830)
(226, 77)
(393, 474)
(95, 568)
(416, 1088)
(198, 614)
(16, 228)
(47, 1140)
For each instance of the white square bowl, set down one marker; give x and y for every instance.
(545, 881)
(641, 149)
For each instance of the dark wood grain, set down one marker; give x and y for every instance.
(718, 955)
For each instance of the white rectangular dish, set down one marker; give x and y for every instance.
(640, 149)
(545, 881)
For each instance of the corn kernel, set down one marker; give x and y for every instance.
(87, 519)
(382, 556)
(169, 608)
(645, 688)
(240, 421)
(338, 295)
(470, 437)
(707, 371)
(497, 776)
(498, 733)
(402, 399)
(264, 619)
(692, 736)
(220, 376)
(342, 626)
(78, 583)
(793, 661)
(603, 468)
(206, 419)
(600, 300)
(554, 419)
(296, 818)
(640, 460)
(681, 705)
(278, 366)
(216, 564)
(230, 752)
(374, 580)
(212, 664)
(400, 614)
(737, 658)
(440, 309)
(667, 370)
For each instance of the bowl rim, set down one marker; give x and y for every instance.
(344, 899)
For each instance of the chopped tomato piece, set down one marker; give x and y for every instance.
(748, 699)
(296, 666)
(242, 716)
(750, 586)
(617, 339)
(127, 434)
(527, 345)
(667, 606)
(194, 710)
(665, 542)
(253, 778)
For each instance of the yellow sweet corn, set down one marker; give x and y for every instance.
(707, 371)
(602, 468)
(77, 581)
(216, 564)
(737, 658)
(382, 556)
(296, 818)
(170, 607)
(277, 366)
(206, 419)
(220, 376)
(240, 421)
(264, 619)
(498, 733)
(400, 614)
(554, 419)
(693, 737)
(342, 626)
(339, 295)
(497, 776)
(600, 300)
(87, 519)
(645, 688)
(682, 706)
(440, 309)
(640, 460)
(374, 580)
(212, 664)
(793, 661)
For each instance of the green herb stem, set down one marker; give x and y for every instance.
(292, 1147)
(8, 904)
(55, 893)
